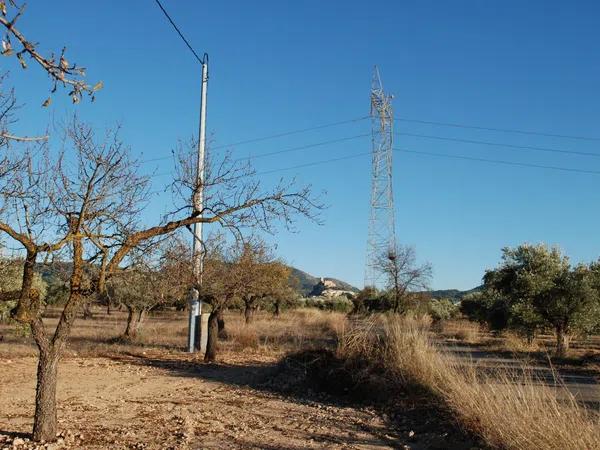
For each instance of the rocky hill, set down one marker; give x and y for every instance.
(306, 283)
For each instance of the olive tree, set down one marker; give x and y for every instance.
(540, 289)
(157, 276)
(11, 278)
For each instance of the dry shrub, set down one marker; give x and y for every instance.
(244, 336)
(507, 408)
(462, 330)
(517, 344)
(291, 331)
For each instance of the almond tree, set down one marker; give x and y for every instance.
(219, 288)
(85, 202)
(403, 274)
(243, 271)
(257, 275)
(62, 73)
(284, 290)
(253, 274)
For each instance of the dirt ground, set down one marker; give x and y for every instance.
(155, 396)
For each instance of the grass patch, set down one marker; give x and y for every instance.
(507, 408)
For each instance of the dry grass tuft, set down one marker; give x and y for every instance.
(508, 409)
(512, 342)
(291, 331)
(244, 336)
(463, 330)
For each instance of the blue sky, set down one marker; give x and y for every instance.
(282, 65)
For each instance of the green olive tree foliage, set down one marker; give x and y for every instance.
(11, 281)
(370, 300)
(536, 287)
(158, 276)
(442, 309)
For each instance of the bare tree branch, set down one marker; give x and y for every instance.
(59, 69)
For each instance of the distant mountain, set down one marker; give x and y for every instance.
(453, 294)
(306, 282)
(300, 280)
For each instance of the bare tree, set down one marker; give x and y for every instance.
(52, 205)
(8, 108)
(218, 289)
(252, 274)
(86, 203)
(285, 290)
(403, 275)
(60, 70)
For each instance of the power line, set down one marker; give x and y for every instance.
(499, 161)
(314, 163)
(498, 144)
(427, 136)
(200, 60)
(416, 152)
(287, 133)
(424, 153)
(283, 169)
(310, 164)
(502, 130)
(304, 147)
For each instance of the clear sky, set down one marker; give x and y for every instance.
(281, 65)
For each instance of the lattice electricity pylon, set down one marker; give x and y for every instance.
(382, 235)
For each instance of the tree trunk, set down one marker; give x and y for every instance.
(221, 324)
(563, 339)
(248, 313)
(108, 302)
(277, 309)
(132, 318)
(87, 312)
(530, 337)
(212, 342)
(141, 319)
(45, 423)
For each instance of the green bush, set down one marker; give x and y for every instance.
(340, 303)
(442, 309)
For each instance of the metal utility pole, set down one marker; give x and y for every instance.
(194, 331)
(382, 234)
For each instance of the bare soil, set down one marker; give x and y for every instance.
(155, 396)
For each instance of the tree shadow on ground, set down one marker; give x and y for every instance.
(317, 377)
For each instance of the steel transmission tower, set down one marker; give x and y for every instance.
(382, 236)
